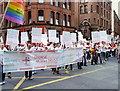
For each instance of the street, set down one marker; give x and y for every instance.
(103, 76)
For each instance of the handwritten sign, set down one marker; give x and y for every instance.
(24, 37)
(36, 35)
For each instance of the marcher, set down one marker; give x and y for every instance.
(28, 74)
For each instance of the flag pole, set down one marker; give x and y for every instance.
(4, 14)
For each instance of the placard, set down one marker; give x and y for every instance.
(12, 38)
(95, 37)
(73, 37)
(52, 35)
(24, 37)
(36, 35)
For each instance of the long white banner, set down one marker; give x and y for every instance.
(34, 60)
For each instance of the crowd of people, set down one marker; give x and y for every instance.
(94, 53)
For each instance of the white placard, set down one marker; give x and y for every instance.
(44, 39)
(57, 40)
(95, 37)
(36, 35)
(24, 37)
(52, 35)
(109, 38)
(12, 38)
(67, 38)
(73, 37)
(80, 36)
(1, 39)
(103, 36)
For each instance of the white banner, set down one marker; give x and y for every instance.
(12, 38)
(95, 37)
(24, 37)
(34, 60)
(73, 37)
(52, 35)
(36, 35)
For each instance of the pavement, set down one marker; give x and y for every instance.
(103, 76)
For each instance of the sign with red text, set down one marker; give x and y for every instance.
(35, 60)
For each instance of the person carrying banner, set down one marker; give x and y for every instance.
(3, 49)
(79, 64)
(28, 74)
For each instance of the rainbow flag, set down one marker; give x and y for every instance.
(15, 11)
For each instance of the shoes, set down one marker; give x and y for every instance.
(1, 83)
(9, 77)
(33, 73)
(30, 79)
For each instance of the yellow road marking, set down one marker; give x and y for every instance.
(19, 84)
(60, 79)
(42, 77)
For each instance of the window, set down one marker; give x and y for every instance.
(64, 4)
(40, 15)
(52, 2)
(40, 1)
(97, 9)
(64, 20)
(104, 23)
(98, 22)
(68, 4)
(6, 23)
(11, 24)
(91, 8)
(85, 32)
(101, 22)
(52, 17)
(81, 9)
(29, 2)
(57, 18)
(29, 17)
(57, 3)
(69, 20)
(85, 8)
(94, 20)
(104, 4)
(89, 20)
(107, 14)
(104, 13)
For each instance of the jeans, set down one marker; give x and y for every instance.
(99, 55)
(3, 74)
(84, 60)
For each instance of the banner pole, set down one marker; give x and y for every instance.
(4, 14)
